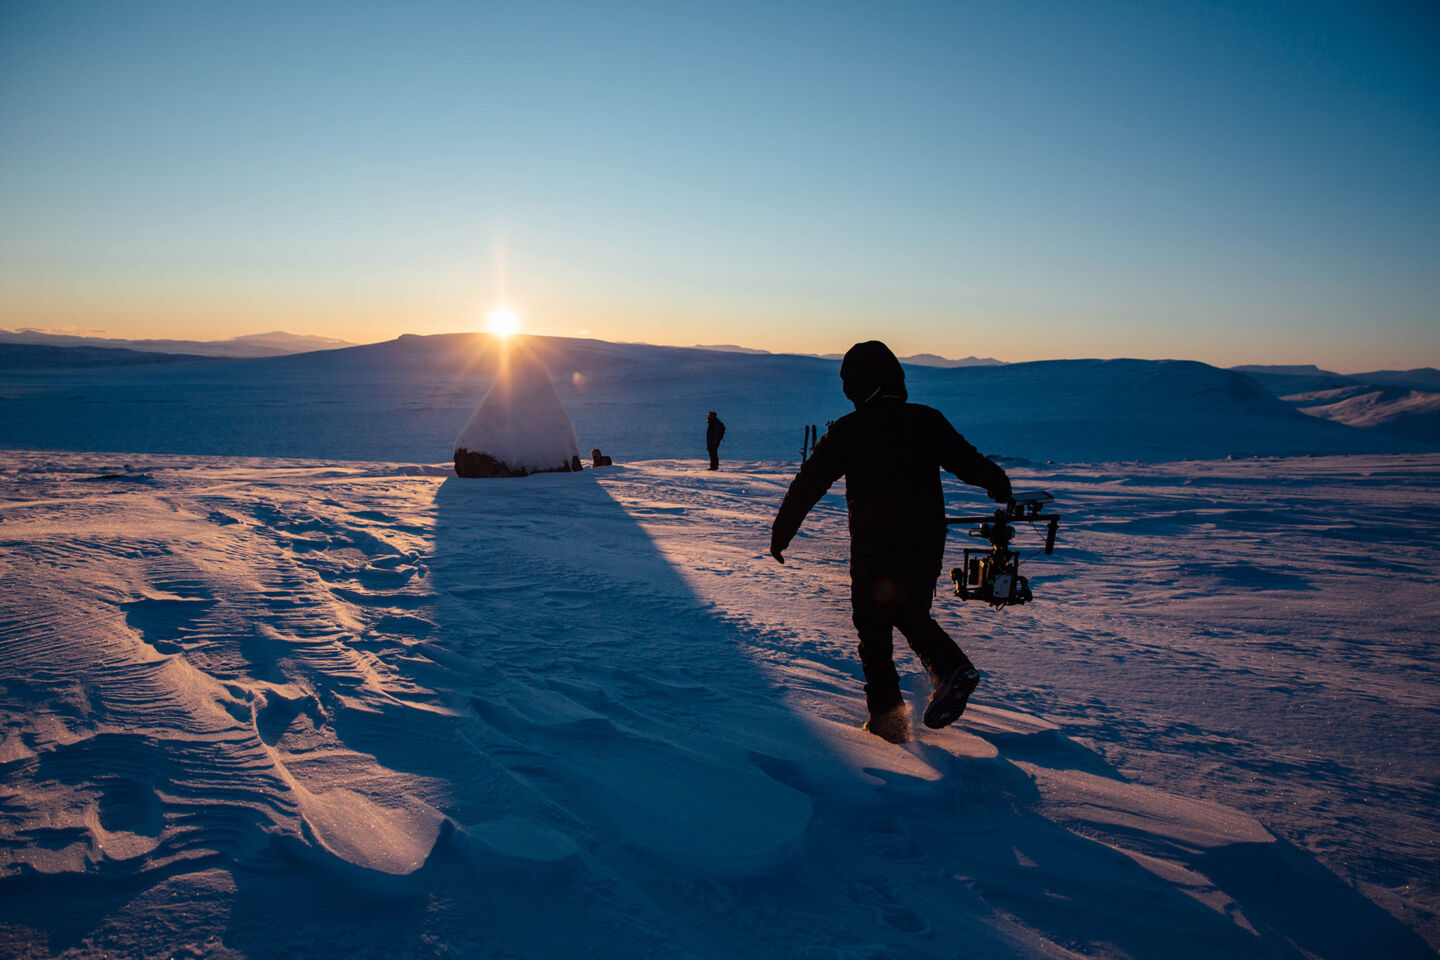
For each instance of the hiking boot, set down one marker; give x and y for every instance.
(892, 725)
(948, 700)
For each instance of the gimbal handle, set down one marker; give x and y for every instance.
(1007, 517)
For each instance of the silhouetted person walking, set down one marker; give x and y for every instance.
(714, 433)
(891, 453)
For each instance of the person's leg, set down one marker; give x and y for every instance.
(714, 458)
(872, 618)
(940, 654)
(955, 677)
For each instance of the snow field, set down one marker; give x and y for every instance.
(262, 707)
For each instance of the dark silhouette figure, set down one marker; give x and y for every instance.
(598, 459)
(714, 433)
(891, 453)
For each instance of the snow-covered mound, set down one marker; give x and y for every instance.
(521, 426)
(253, 709)
(401, 401)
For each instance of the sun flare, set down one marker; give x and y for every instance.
(503, 321)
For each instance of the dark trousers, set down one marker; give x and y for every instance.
(714, 457)
(880, 604)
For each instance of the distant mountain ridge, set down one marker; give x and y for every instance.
(730, 348)
(31, 356)
(277, 343)
(931, 360)
(1400, 403)
(917, 360)
(404, 400)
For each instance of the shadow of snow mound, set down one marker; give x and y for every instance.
(567, 702)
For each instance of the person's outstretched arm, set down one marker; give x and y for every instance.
(815, 477)
(959, 456)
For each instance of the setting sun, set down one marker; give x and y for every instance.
(503, 321)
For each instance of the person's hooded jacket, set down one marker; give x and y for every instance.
(714, 430)
(891, 453)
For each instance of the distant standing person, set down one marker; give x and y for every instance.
(714, 433)
(890, 453)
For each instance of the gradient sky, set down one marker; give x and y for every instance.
(1232, 182)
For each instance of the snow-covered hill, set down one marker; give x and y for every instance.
(40, 357)
(262, 708)
(1404, 413)
(276, 343)
(405, 399)
(1400, 403)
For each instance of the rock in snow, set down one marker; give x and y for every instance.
(520, 427)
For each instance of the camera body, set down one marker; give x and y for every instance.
(992, 574)
(986, 575)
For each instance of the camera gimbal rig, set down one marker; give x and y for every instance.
(993, 574)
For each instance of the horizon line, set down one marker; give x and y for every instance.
(739, 349)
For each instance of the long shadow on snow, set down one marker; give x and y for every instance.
(596, 679)
(590, 753)
(628, 739)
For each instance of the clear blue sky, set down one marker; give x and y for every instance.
(1230, 182)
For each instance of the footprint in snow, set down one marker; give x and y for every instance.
(875, 893)
(891, 845)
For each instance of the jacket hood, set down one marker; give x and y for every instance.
(871, 370)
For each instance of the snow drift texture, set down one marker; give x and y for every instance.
(256, 709)
(520, 427)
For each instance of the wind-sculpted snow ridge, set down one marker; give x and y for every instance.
(259, 708)
(178, 659)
